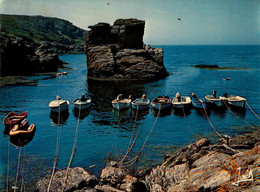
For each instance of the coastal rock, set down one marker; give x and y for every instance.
(20, 57)
(118, 52)
(77, 179)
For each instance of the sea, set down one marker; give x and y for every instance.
(104, 134)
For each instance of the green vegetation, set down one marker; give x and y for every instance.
(39, 28)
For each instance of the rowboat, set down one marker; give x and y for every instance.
(181, 101)
(234, 101)
(215, 100)
(199, 103)
(161, 102)
(141, 103)
(13, 118)
(59, 105)
(82, 103)
(120, 103)
(22, 130)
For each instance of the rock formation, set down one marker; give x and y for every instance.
(118, 52)
(20, 57)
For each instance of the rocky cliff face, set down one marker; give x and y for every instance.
(20, 57)
(118, 52)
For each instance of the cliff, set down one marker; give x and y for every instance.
(118, 53)
(57, 35)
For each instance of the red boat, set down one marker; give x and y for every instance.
(14, 118)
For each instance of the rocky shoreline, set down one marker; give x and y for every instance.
(200, 166)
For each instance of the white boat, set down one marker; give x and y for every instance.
(215, 100)
(199, 103)
(181, 101)
(120, 103)
(235, 101)
(59, 105)
(161, 103)
(82, 104)
(141, 103)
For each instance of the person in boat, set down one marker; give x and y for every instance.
(83, 97)
(119, 97)
(178, 96)
(143, 97)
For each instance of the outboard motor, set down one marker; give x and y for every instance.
(214, 94)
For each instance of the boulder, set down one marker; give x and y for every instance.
(77, 179)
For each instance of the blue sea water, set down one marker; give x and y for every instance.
(104, 133)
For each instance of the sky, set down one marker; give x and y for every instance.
(203, 22)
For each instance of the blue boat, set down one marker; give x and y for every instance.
(199, 103)
(141, 103)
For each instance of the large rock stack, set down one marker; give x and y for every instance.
(118, 52)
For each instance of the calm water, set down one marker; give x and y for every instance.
(105, 133)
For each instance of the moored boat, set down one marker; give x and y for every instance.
(215, 100)
(234, 100)
(199, 103)
(22, 130)
(181, 101)
(161, 102)
(120, 103)
(82, 103)
(59, 105)
(13, 118)
(141, 103)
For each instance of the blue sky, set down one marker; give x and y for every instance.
(202, 21)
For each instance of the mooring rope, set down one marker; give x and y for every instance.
(73, 151)
(17, 172)
(130, 146)
(7, 174)
(252, 110)
(237, 116)
(56, 151)
(129, 163)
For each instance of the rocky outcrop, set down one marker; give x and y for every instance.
(118, 52)
(20, 57)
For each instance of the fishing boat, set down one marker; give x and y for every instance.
(22, 130)
(13, 118)
(82, 103)
(181, 101)
(141, 103)
(234, 100)
(215, 100)
(59, 105)
(161, 102)
(120, 103)
(199, 103)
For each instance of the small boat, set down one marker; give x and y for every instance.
(199, 103)
(215, 100)
(234, 100)
(59, 105)
(82, 103)
(22, 130)
(141, 103)
(13, 118)
(120, 103)
(161, 102)
(181, 101)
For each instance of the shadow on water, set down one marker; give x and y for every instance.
(55, 117)
(163, 113)
(81, 114)
(181, 112)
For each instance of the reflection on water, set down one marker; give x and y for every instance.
(57, 118)
(163, 113)
(81, 114)
(182, 112)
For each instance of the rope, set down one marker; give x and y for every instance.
(129, 163)
(7, 175)
(72, 152)
(131, 146)
(237, 116)
(17, 172)
(56, 151)
(252, 110)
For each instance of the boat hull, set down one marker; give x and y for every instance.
(185, 102)
(81, 105)
(139, 104)
(217, 102)
(121, 104)
(161, 103)
(13, 118)
(240, 104)
(59, 106)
